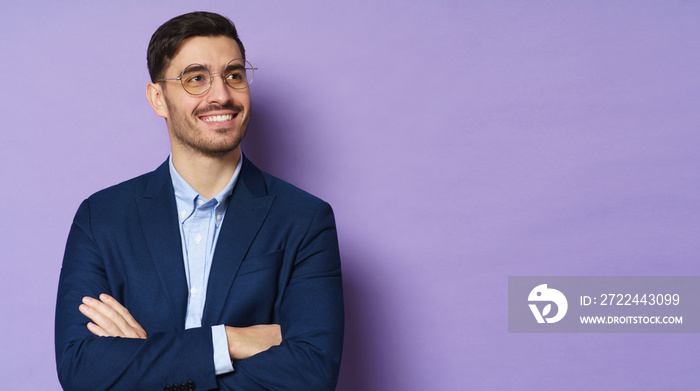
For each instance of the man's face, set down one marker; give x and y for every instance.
(214, 123)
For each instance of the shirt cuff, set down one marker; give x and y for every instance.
(222, 360)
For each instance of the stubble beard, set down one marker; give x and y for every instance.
(188, 134)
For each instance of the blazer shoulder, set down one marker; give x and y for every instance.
(286, 192)
(128, 190)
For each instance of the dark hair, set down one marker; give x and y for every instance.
(167, 39)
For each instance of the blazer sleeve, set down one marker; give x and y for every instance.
(87, 362)
(311, 316)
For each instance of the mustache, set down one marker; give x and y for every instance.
(216, 107)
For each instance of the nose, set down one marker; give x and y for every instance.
(219, 91)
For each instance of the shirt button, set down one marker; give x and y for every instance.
(183, 214)
(200, 202)
(218, 217)
(193, 291)
(198, 238)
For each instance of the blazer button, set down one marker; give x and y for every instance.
(167, 388)
(191, 386)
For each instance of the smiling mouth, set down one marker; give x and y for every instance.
(219, 118)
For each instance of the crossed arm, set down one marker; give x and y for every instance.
(309, 313)
(111, 319)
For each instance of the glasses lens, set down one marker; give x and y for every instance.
(238, 73)
(196, 79)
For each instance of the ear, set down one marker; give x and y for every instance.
(154, 93)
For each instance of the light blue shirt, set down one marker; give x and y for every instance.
(200, 221)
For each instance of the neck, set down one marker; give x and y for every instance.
(207, 175)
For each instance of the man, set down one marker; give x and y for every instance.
(205, 273)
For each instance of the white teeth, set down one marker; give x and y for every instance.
(218, 118)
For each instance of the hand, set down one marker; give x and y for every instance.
(110, 318)
(244, 342)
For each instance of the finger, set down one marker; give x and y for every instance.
(133, 326)
(97, 330)
(121, 316)
(107, 322)
(106, 325)
(109, 319)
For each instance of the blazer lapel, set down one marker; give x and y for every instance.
(158, 218)
(245, 214)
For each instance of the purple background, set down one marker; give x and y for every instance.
(459, 142)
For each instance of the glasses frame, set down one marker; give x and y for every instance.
(248, 66)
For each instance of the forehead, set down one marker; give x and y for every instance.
(214, 52)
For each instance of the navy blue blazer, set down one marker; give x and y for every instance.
(276, 261)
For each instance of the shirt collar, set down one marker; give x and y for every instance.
(186, 196)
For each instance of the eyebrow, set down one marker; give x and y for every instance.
(195, 68)
(234, 67)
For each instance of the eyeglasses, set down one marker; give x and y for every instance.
(196, 79)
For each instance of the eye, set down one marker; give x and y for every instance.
(235, 75)
(194, 78)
